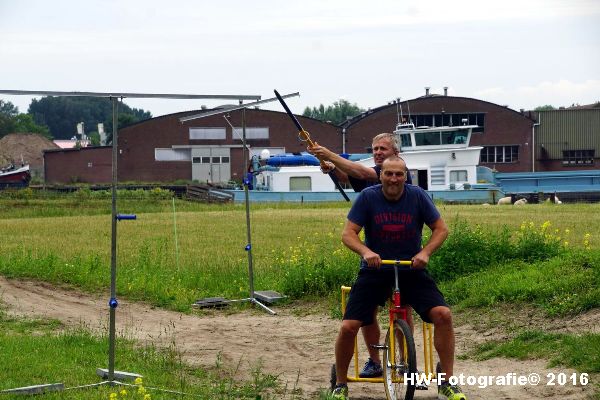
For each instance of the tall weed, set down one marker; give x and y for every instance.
(310, 272)
(568, 284)
(469, 248)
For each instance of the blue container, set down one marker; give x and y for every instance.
(292, 160)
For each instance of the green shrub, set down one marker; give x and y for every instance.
(17, 194)
(309, 272)
(470, 249)
(562, 285)
(537, 244)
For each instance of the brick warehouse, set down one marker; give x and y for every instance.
(504, 133)
(162, 149)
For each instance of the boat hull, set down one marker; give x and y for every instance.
(15, 178)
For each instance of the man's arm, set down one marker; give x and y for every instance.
(352, 241)
(439, 233)
(351, 168)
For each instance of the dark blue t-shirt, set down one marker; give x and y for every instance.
(393, 229)
(359, 185)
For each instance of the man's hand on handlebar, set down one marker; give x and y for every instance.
(420, 260)
(373, 260)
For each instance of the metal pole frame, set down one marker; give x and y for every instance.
(113, 303)
(117, 95)
(246, 182)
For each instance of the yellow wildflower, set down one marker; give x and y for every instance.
(586, 241)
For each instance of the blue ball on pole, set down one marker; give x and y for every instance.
(113, 303)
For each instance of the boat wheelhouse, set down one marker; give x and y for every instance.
(439, 158)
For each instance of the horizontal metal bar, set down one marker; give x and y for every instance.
(126, 216)
(234, 108)
(131, 95)
(36, 389)
(103, 373)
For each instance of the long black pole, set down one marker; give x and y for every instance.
(331, 174)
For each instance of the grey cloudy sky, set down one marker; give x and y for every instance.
(520, 53)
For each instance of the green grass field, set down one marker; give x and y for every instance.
(543, 256)
(37, 352)
(296, 248)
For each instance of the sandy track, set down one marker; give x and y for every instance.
(298, 349)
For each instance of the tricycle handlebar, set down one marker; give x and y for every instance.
(397, 262)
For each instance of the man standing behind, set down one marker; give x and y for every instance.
(393, 215)
(360, 177)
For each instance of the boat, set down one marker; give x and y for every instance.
(14, 177)
(438, 158)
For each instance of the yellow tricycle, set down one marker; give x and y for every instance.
(400, 376)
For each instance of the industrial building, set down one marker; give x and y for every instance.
(163, 149)
(567, 140)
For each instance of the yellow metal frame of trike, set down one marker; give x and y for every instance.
(429, 368)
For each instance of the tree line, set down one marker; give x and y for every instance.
(11, 121)
(337, 113)
(57, 117)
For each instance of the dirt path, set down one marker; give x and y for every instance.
(299, 349)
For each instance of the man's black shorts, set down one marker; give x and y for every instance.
(374, 287)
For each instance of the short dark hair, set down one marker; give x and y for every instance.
(393, 158)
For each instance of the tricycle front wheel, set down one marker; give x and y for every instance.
(399, 363)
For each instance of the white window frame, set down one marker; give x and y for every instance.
(456, 174)
(252, 133)
(204, 133)
(500, 153)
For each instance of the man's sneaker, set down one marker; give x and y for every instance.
(450, 392)
(340, 392)
(371, 370)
